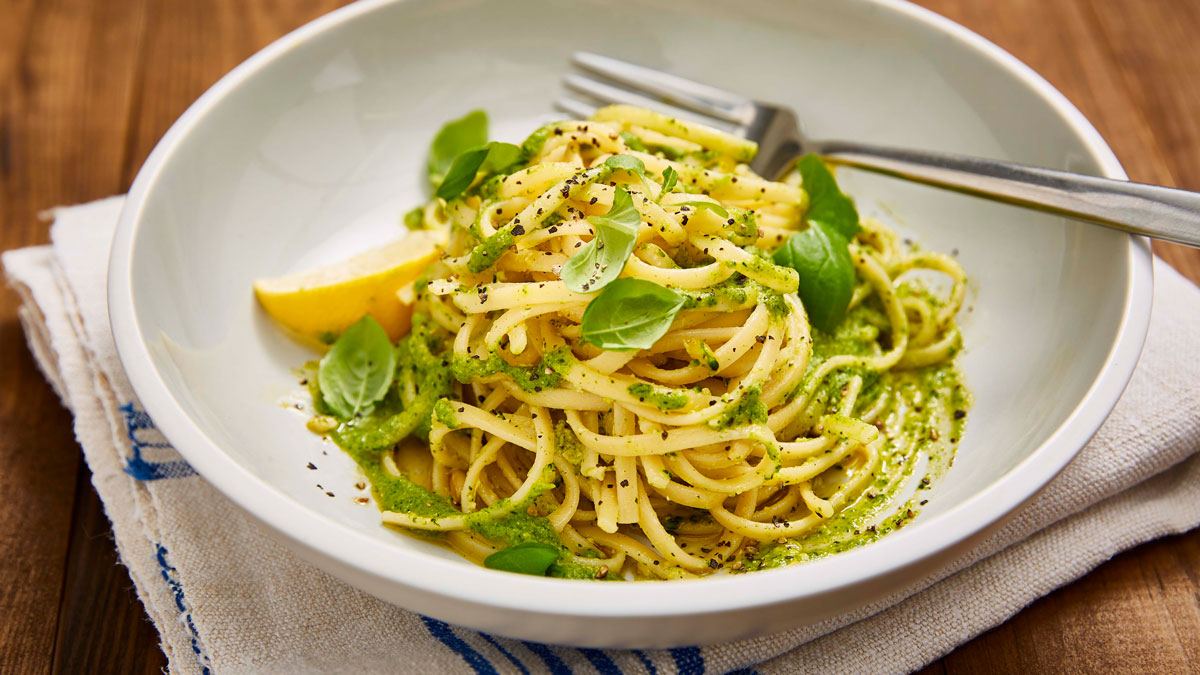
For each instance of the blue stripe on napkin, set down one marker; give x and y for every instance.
(137, 466)
(444, 633)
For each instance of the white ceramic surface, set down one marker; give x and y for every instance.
(314, 147)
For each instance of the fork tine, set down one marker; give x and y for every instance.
(607, 93)
(672, 89)
(578, 109)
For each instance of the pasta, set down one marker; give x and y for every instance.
(672, 413)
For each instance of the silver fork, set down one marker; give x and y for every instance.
(1150, 210)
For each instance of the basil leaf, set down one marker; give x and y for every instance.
(502, 156)
(602, 259)
(711, 206)
(357, 371)
(628, 163)
(630, 314)
(455, 138)
(826, 203)
(821, 256)
(530, 557)
(492, 157)
(419, 356)
(631, 164)
(462, 172)
(670, 178)
(633, 142)
(637, 144)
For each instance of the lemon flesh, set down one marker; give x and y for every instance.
(318, 305)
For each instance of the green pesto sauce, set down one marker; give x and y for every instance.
(391, 420)
(856, 334)
(660, 397)
(779, 276)
(415, 219)
(519, 527)
(929, 399)
(443, 411)
(486, 254)
(566, 444)
(377, 429)
(708, 356)
(309, 373)
(397, 493)
(422, 361)
(489, 189)
(533, 144)
(560, 360)
(749, 409)
(742, 227)
(776, 306)
(546, 374)
(736, 291)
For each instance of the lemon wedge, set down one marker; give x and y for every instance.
(318, 305)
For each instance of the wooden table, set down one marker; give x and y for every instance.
(88, 86)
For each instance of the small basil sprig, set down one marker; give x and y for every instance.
(602, 259)
(637, 144)
(670, 178)
(357, 371)
(630, 314)
(826, 202)
(530, 557)
(455, 138)
(820, 254)
(502, 156)
(491, 158)
(633, 142)
(629, 163)
(711, 206)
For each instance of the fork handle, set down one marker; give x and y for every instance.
(1150, 210)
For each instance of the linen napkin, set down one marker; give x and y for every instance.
(249, 605)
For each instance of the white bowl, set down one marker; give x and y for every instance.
(314, 147)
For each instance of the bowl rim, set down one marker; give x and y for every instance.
(369, 562)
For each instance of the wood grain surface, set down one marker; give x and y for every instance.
(88, 86)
